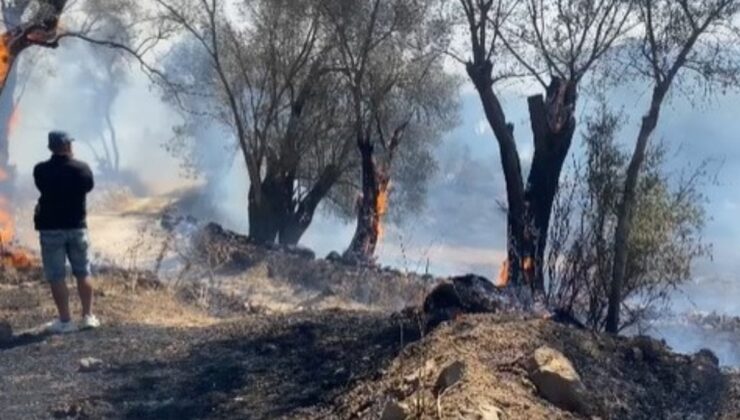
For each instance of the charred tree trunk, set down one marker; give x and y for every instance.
(7, 107)
(298, 218)
(370, 207)
(553, 127)
(626, 207)
(530, 208)
(480, 73)
(263, 217)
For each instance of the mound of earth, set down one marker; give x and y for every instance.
(622, 378)
(159, 355)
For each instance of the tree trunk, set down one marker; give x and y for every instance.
(553, 127)
(7, 107)
(7, 173)
(529, 210)
(297, 220)
(626, 207)
(371, 207)
(263, 219)
(480, 75)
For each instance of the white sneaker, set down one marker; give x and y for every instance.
(89, 322)
(59, 327)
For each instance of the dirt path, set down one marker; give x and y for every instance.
(164, 359)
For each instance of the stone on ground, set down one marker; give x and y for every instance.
(90, 364)
(394, 410)
(450, 375)
(557, 380)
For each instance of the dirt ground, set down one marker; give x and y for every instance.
(163, 357)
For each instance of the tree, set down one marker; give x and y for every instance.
(562, 39)
(669, 213)
(266, 77)
(27, 23)
(273, 75)
(680, 41)
(397, 90)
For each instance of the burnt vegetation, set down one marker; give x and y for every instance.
(339, 106)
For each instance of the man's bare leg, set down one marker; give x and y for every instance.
(61, 298)
(85, 289)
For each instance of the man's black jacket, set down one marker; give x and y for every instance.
(64, 183)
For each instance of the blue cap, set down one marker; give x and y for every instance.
(59, 138)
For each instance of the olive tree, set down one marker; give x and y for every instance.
(669, 218)
(679, 43)
(556, 44)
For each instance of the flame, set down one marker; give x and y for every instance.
(503, 275)
(10, 256)
(5, 60)
(527, 269)
(7, 225)
(381, 206)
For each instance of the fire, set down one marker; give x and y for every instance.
(7, 225)
(10, 257)
(527, 269)
(5, 60)
(381, 206)
(503, 275)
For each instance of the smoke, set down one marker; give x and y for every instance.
(461, 229)
(67, 90)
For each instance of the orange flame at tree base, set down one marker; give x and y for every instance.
(381, 206)
(527, 269)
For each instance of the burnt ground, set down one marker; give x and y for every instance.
(162, 357)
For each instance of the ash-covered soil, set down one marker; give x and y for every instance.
(161, 356)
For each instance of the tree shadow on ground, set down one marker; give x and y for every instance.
(285, 367)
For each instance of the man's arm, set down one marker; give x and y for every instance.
(87, 182)
(37, 179)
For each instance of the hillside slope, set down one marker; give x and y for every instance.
(161, 356)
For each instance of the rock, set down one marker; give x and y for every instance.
(393, 410)
(449, 376)
(557, 380)
(469, 294)
(484, 412)
(90, 364)
(652, 349)
(334, 256)
(6, 332)
(705, 373)
(707, 355)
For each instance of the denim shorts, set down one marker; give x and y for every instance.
(59, 245)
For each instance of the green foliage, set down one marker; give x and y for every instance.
(666, 237)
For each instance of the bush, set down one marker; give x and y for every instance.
(665, 241)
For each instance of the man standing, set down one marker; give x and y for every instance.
(60, 219)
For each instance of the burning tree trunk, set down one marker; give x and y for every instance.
(528, 216)
(566, 41)
(372, 206)
(553, 127)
